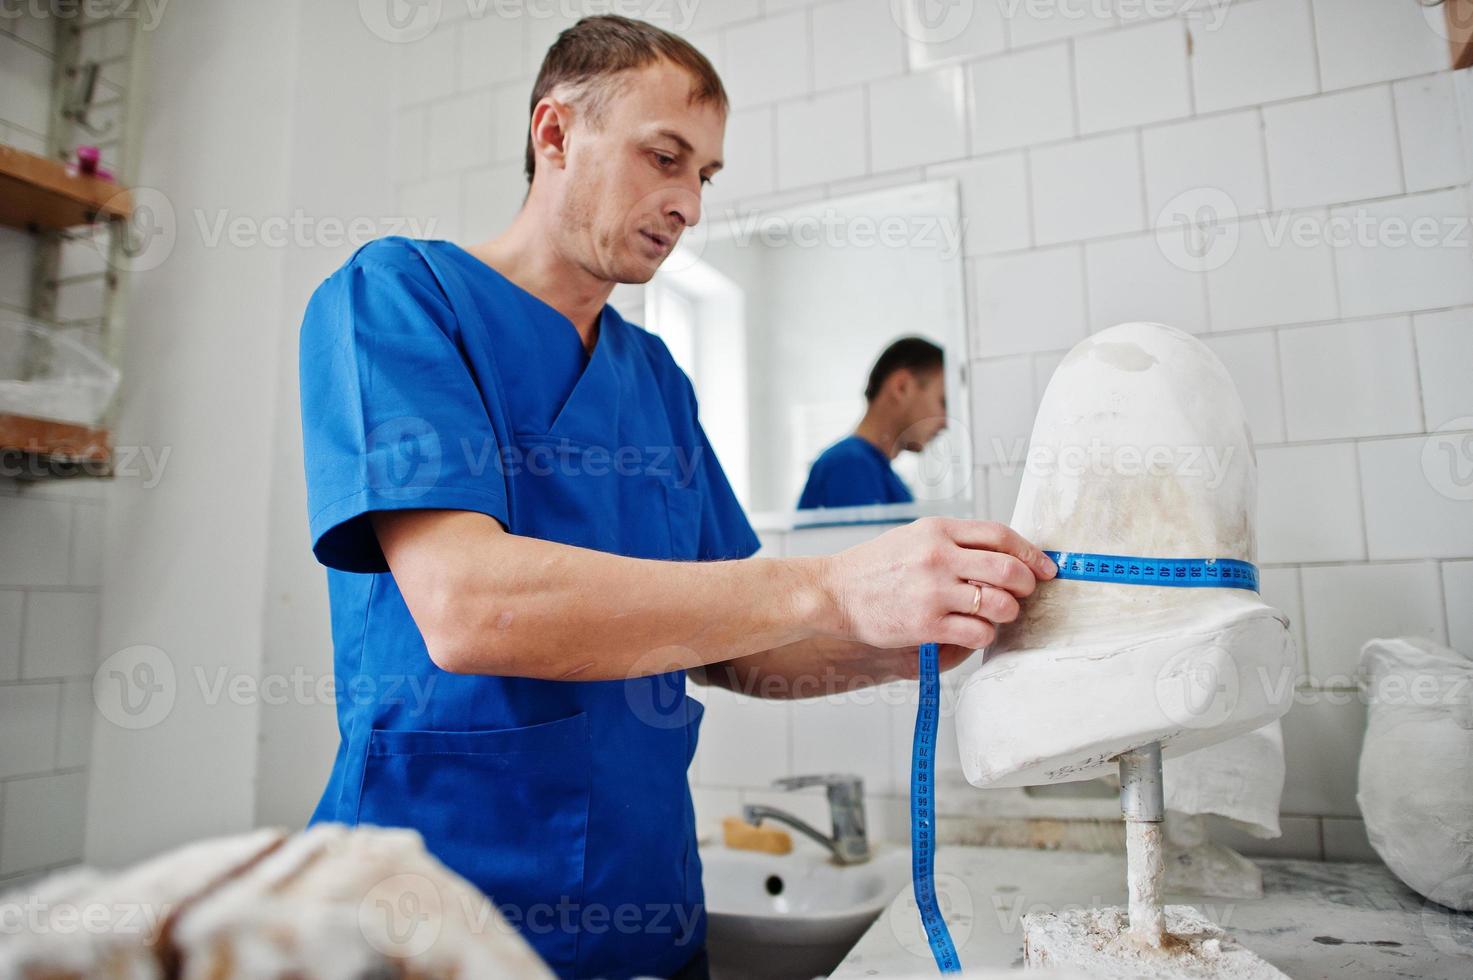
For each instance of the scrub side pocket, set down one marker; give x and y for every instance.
(507, 809)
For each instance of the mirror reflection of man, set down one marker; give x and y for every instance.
(907, 409)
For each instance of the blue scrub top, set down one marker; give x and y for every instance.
(850, 473)
(429, 380)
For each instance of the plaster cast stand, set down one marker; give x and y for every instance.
(1148, 940)
(1143, 807)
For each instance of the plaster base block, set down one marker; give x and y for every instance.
(1098, 942)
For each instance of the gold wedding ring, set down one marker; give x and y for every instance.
(976, 599)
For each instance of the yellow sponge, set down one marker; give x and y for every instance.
(743, 836)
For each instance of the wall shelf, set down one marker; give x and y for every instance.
(58, 442)
(38, 194)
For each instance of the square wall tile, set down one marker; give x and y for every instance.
(1343, 380)
(1346, 840)
(1322, 742)
(751, 168)
(965, 30)
(1132, 279)
(492, 51)
(1445, 356)
(1417, 494)
(12, 606)
(61, 635)
(1002, 409)
(1035, 23)
(1029, 301)
(821, 139)
(1087, 189)
(1427, 122)
(744, 740)
(1022, 99)
(917, 119)
(1346, 605)
(1002, 491)
(510, 123)
(1364, 41)
(434, 202)
(43, 821)
(74, 736)
(1263, 274)
(1252, 360)
(1258, 52)
(1414, 255)
(459, 133)
(1132, 77)
(855, 41)
(1223, 152)
(1280, 588)
(1309, 504)
(426, 67)
(37, 540)
(89, 527)
(493, 196)
(1457, 592)
(766, 60)
(1299, 841)
(28, 721)
(994, 202)
(1333, 148)
(845, 733)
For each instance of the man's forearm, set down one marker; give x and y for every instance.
(499, 603)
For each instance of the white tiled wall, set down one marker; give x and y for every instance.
(1071, 130)
(50, 552)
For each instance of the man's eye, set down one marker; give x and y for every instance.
(664, 160)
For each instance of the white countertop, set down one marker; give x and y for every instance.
(1316, 921)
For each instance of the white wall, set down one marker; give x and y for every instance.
(1070, 136)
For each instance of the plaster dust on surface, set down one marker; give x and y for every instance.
(1141, 448)
(1099, 941)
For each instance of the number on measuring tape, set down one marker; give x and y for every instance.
(1221, 573)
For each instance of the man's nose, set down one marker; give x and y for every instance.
(686, 208)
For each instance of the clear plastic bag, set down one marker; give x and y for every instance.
(46, 373)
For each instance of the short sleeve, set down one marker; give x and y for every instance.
(392, 416)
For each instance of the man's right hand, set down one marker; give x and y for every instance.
(913, 584)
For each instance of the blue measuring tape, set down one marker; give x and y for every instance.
(1222, 573)
(1219, 573)
(923, 813)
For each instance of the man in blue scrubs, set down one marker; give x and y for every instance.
(906, 398)
(530, 542)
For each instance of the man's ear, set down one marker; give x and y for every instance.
(551, 122)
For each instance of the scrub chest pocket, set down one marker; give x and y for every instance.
(508, 810)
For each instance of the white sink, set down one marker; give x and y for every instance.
(793, 915)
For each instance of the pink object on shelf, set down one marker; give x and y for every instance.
(87, 163)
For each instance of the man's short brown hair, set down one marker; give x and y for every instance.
(600, 47)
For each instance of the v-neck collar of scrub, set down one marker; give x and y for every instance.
(603, 314)
(591, 406)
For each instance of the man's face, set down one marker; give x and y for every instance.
(925, 409)
(633, 181)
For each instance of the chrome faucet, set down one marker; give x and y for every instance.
(849, 845)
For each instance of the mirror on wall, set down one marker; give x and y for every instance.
(781, 319)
